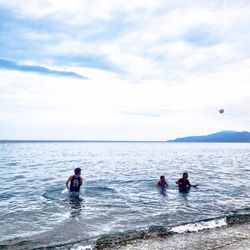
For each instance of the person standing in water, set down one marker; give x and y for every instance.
(184, 184)
(162, 183)
(75, 181)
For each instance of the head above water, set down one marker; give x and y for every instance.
(77, 171)
(185, 175)
(162, 178)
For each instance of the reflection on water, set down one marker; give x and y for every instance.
(162, 191)
(76, 204)
(183, 197)
(184, 191)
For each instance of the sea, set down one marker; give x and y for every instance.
(119, 202)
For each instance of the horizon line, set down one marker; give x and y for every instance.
(38, 140)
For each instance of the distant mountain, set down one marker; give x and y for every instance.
(223, 136)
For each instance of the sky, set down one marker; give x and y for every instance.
(123, 70)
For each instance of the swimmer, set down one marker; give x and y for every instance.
(184, 184)
(75, 181)
(162, 183)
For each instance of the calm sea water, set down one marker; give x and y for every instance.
(119, 193)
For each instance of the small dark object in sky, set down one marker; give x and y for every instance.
(221, 111)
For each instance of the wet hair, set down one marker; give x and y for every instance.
(162, 177)
(185, 173)
(77, 171)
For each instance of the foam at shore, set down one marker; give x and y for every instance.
(236, 237)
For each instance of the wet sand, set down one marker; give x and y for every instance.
(224, 238)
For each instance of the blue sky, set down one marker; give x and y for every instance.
(117, 70)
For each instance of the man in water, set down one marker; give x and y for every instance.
(184, 184)
(75, 181)
(162, 183)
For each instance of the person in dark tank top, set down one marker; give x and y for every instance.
(75, 181)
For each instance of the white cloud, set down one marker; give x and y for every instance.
(79, 10)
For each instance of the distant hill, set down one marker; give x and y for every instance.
(223, 136)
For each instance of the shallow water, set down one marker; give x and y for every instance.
(119, 191)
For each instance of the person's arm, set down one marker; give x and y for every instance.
(81, 181)
(67, 182)
(196, 185)
(178, 182)
(191, 185)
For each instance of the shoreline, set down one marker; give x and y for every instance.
(231, 237)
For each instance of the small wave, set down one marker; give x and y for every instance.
(98, 191)
(6, 196)
(53, 194)
(201, 225)
(82, 248)
(17, 177)
(102, 189)
(26, 243)
(12, 164)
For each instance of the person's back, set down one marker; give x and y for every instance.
(75, 184)
(75, 181)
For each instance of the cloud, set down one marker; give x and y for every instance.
(138, 41)
(78, 10)
(9, 65)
